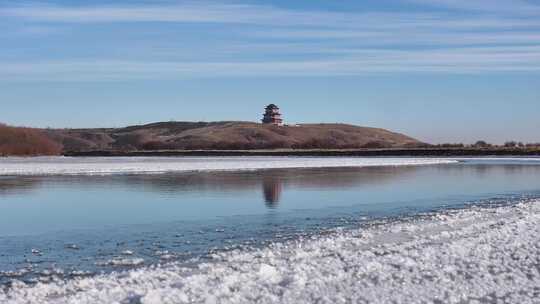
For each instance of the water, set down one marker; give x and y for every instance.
(60, 225)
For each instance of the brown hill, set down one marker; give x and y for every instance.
(228, 136)
(26, 141)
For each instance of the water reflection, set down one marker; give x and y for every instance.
(270, 183)
(13, 185)
(272, 188)
(48, 203)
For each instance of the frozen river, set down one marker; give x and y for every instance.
(291, 230)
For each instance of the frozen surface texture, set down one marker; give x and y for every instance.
(127, 165)
(476, 255)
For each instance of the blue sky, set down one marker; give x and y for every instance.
(438, 70)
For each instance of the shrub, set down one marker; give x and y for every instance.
(481, 144)
(376, 145)
(452, 145)
(157, 145)
(26, 141)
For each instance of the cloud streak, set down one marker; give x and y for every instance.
(518, 7)
(212, 12)
(195, 12)
(266, 41)
(469, 60)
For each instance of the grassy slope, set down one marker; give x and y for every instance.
(229, 136)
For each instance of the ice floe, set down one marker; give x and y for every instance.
(475, 255)
(127, 165)
(36, 252)
(121, 262)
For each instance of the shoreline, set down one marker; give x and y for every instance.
(419, 152)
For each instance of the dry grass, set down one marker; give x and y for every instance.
(229, 136)
(16, 141)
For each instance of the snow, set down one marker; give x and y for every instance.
(474, 255)
(127, 165)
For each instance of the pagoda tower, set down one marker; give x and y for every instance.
(272, 116)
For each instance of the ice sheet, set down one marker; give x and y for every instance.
(127, 165)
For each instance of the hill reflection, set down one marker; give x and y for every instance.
(272, 184)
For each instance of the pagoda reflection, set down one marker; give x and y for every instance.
(272, 188)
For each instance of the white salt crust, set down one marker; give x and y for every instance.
(127, 165)
(478, 255)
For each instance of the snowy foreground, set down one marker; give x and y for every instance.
(477, 255)
(126, 165)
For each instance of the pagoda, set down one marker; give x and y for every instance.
(272, 116)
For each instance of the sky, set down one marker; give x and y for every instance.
(437, 70)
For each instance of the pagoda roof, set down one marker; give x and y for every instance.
(272, 106)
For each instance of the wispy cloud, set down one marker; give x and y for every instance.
(402, 37)
(460, 60)
(192, 12)
(32, 31)
(212, 12)
(498, 6)
(259, 40)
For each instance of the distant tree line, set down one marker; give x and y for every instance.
(481, 144)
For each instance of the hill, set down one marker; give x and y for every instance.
(227, 135)
(26, 141)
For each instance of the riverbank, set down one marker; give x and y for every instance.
(420, 152)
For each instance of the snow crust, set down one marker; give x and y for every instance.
(476, 255)
(127, 165)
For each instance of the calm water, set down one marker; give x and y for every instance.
(64, 226)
